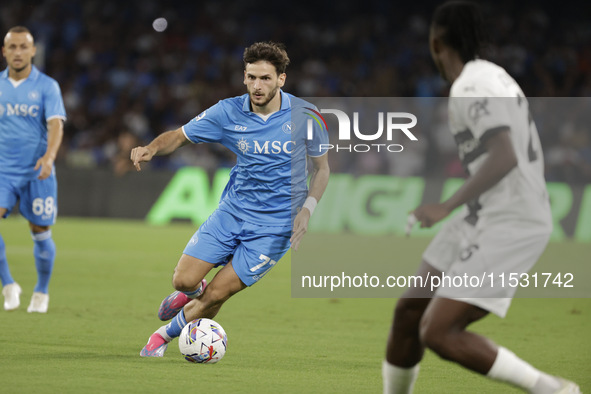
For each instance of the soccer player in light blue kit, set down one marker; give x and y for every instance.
(266, 205)
(31, 129)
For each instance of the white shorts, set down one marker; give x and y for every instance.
(477, 261)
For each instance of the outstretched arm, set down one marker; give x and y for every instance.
(164, 144)
(318, 182)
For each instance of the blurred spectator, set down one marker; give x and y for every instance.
(120, 161)
(570, 159)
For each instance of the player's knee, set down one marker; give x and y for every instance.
(406, 306)
(403, 311)
(38, 229)
(437, 338)
(184, 282)
(408, 311)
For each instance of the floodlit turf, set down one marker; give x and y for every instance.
(110, 277)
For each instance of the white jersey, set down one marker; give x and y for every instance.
(485, 100)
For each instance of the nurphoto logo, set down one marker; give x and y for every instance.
(388, 124)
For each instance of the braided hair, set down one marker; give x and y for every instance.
(462, 28)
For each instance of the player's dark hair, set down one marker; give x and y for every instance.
(462, 28)
(269, 51)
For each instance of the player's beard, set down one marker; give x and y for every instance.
(268, 98)
(18, 70)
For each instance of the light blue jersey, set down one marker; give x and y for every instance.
(24, 112)
(269, 181)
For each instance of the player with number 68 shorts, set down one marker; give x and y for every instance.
(31, 129)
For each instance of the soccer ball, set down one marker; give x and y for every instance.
(203, 341)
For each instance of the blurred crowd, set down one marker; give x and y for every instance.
(127, 76)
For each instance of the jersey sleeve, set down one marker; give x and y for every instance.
(317, 145)
(205, 127)
(480, 112)
(54, 103)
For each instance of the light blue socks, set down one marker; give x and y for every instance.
(5, 276)
(44, 252)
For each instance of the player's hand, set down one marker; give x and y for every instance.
(140, 154)
(46, 165)
(300, 227)
(430, 214)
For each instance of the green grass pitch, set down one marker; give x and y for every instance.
(110, 277)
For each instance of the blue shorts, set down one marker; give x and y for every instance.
(255, 249)
(38, 198)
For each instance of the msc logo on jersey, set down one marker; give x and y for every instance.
(19, 110)
(265, 147)
(243, 146)
(273, 147)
